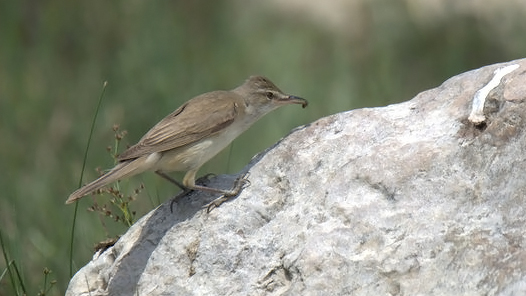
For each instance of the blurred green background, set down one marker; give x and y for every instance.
(340, 55)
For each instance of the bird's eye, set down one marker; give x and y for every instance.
(270, 95)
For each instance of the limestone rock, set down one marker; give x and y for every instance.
(408, 199)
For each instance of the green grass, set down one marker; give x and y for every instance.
(55, 55)
(73, 224)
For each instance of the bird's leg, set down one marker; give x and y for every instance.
(189, 185)
(185, 190)
(239, 184)
(177, 183)
(177, 197)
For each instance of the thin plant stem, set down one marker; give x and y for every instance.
(81, 176)
(8, 265)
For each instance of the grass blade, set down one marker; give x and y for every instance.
(81, 176)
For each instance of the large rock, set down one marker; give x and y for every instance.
(408, 199)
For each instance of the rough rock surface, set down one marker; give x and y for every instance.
(408, 199)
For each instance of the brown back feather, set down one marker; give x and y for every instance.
(180, 127)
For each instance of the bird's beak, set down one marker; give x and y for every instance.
(293, 100)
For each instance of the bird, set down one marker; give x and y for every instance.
(194, 133)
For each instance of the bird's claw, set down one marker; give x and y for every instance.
(205, 179)
(216, 203)
(240, 183)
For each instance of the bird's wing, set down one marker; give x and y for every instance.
(187, 124)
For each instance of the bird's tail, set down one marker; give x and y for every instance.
(122, 170)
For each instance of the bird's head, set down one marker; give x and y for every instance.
(262, 96)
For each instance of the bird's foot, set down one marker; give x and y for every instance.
(240, 183)
(179, 196)
(205, 179)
